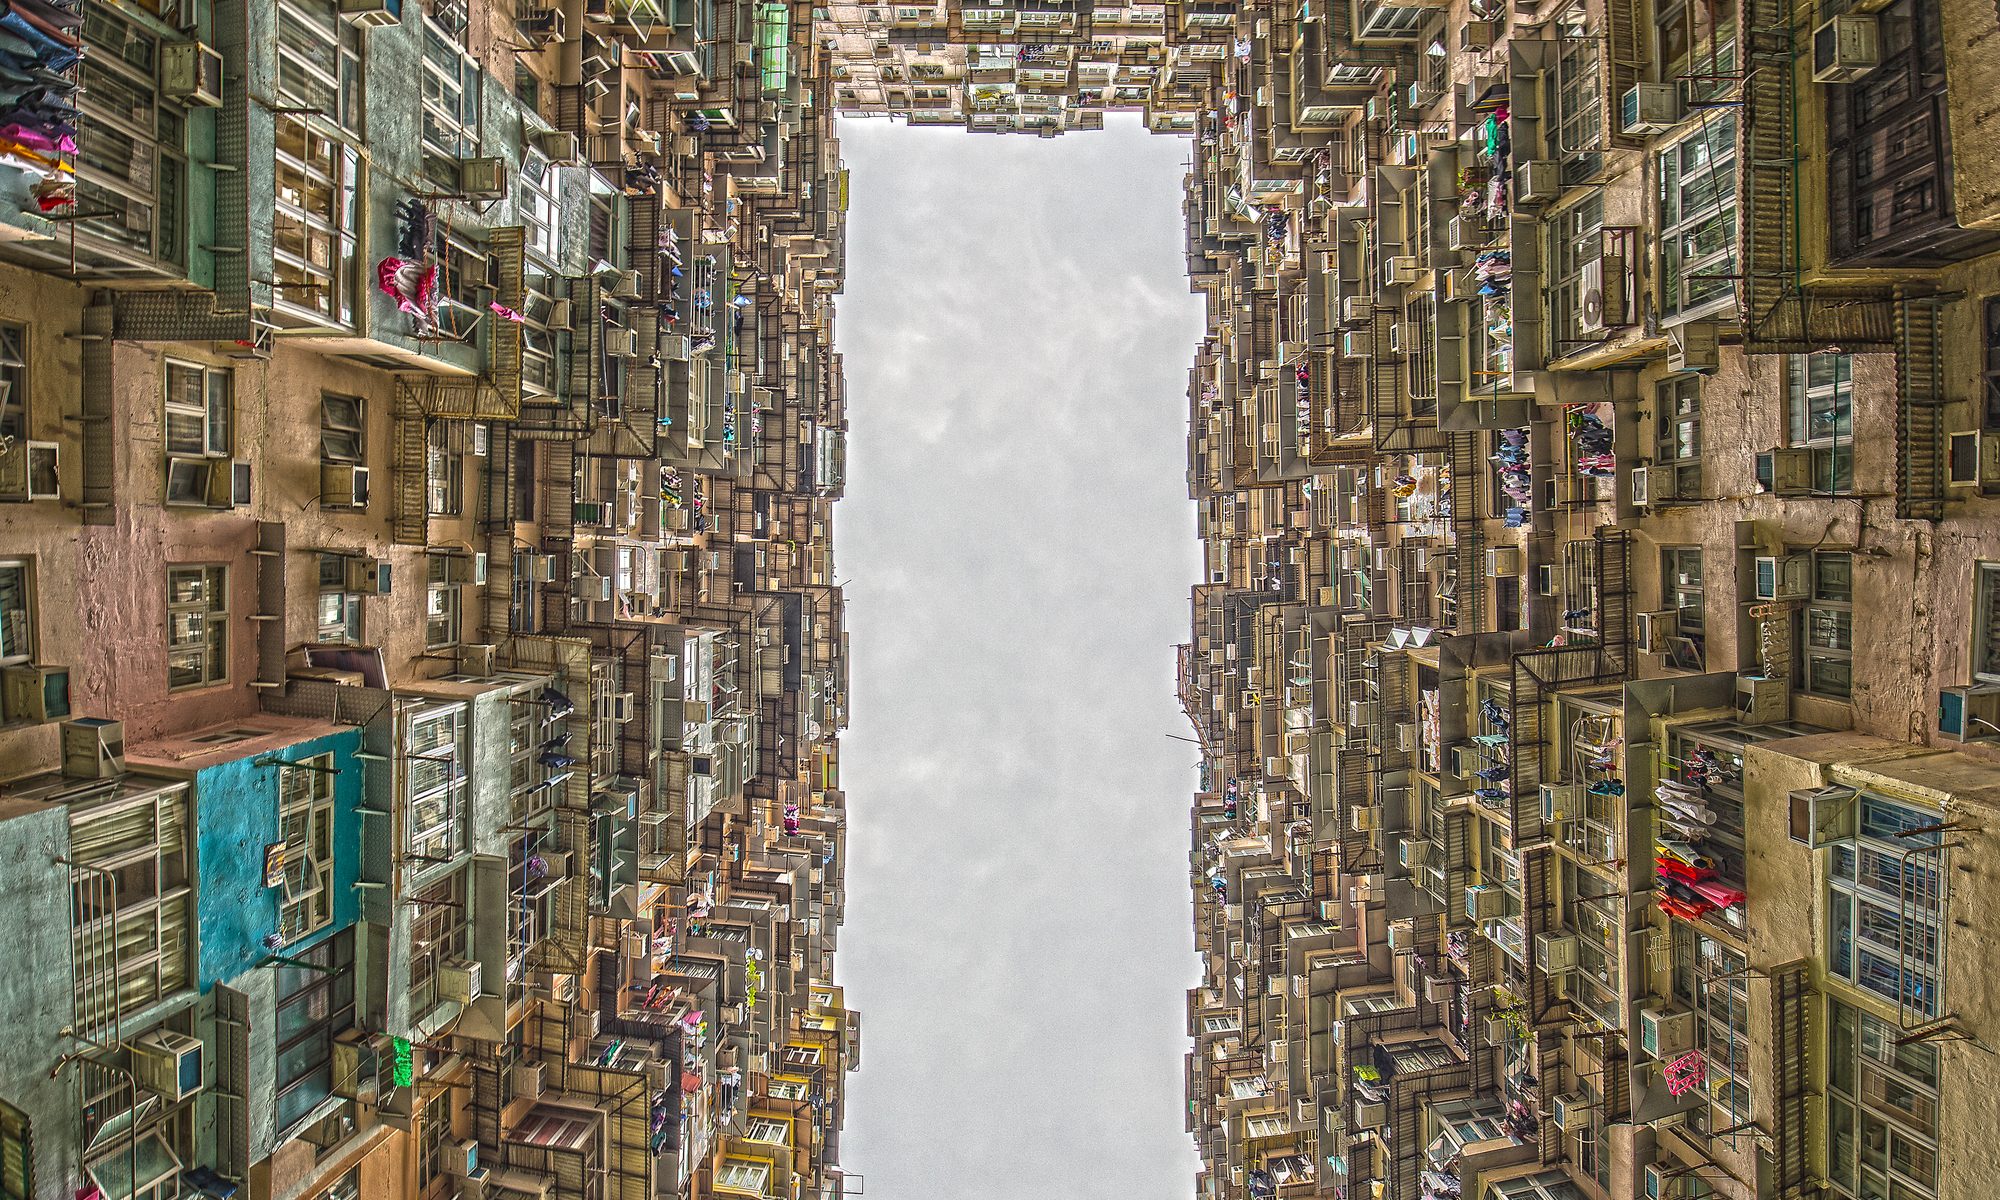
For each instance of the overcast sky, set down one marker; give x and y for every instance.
(1017, 548)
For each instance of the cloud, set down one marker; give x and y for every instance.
(1017, 547)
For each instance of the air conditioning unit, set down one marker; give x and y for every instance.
(1399, 270)
(594, 513)
(1474, 36)
(44, 474)
(1370, 1114)
(229, 483)
(1498, 1031)
(1555, 953)
(621, 343)
(539, 26)
(1403, 337)
(1414, 853)
(594, 588)
(1820, 817)
(191, 73)
(1665, 1181)
(1846, 48)
(1658, 629)
(1785, 470)
(622, 707)
(1965, 714)
(1406, 736)
(1538, 181)
(1664, 1033)
(1761, 699)
(624, 285)
(343, 485)
(557, 145)
(1466, 233)
(1572, 1113)
(1560, 801)
(482, 178)
(1693, 346)
(1437, 989)
(1360, 712)
(1649, 108)
(1782, 577)
(1503, 561)
(1653, 487)
(1485, 902)
(1402, 937)
(458, 980)
(1602, 294)
(372, 14)
(1365, 816)
(527, 1080)
(34, 694)
(477, 658)
(368, 576)
(168, 1064)
(1357, 310)
(539, 568)
(465, 568)
(93, 748)
(461, 1159)
(676, 348)
(1357, 343)
(560, 315)
(1278, 768)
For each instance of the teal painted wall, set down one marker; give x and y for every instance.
(236, 816)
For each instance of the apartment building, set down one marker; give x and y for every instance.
(1593, 441)
(1041, 67)
(421, 667)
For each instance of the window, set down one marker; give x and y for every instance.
(1820, 410)
(444, 475)
(435, 1133)
(305, 817)
(1698, 45)
(316, 219)
(540, 204)
(438, 933)
(142, 835)
(765, 1129)
(1579, 100)
(441, 605)
(197, 410)
(315, 1002)
(451, 80)
(197, 626)
(17, 1155)
(13, 383)
(743, 1175)
(1677, 444)
(1990, 418)
(1577, 236)
(435, 772)
(132, 172)
(1826, 627)
(1265, 1126)
(1881, 1108)
(1886, 891)
(343, 438)
(1698, 219)
(1681, 589)
(339, 609)
(1712, 981)
(789, 1089)
(1985, 635)
(17, 612)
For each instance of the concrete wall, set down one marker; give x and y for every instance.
(35, 986)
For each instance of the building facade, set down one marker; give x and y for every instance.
(1593, 666)
(423, 669)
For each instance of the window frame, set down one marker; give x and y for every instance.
(213, 609)
(21, 649)
(444, 606)
(1845, 890)
(1849, 1076)
(1827, 604)
(1678, 223)
(16, 419)
(305, 821)
(1833, 450)
(326, 995)
(340, 426)
(217, 439)
(1677, 437)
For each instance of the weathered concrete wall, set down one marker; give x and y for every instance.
(35, 986)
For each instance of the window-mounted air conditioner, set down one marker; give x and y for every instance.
(1649, 108)
(1846, 48)
(191, 73)
(482, 178)
(343, 485)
